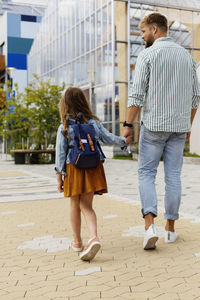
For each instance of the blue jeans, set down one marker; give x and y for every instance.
(152, 145)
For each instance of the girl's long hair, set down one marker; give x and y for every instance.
(73, 102)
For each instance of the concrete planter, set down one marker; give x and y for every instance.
(191, 160)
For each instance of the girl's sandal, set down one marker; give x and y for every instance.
(77, 246)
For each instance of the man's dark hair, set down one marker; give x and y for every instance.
(155, 19)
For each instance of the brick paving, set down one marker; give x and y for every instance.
(37, 263)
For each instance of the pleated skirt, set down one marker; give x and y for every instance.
(80, 181)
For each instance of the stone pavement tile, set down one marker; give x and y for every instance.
(62, 276)
(128, 275)
(193, 278)
(99, 281)
(3, 293)
(70, 293)
(15, 294)
(34, 280)
(7, 283)
(40, 291)
(86, 296)
(4, 174)
(151, 296)
(194, 293)
(131, 282)
(154, 273)
(63, 286)
(35, 298)
(144, 286)
(171, 283)
(51, 296)
(116, 291)
(125, 265)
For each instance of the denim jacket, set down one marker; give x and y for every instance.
(63, 145)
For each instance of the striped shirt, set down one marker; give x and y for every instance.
(165, 86)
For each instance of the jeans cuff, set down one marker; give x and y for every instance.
(145, 211)
(172, 217)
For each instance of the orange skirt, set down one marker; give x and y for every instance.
(80, 181)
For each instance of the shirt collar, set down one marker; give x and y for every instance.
(163, 39)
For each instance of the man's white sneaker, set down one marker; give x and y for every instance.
(150, 238)
(170, 236)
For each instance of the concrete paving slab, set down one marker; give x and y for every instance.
(47, 270)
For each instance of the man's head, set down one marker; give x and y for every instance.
(153, 26)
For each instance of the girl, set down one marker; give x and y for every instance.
(81, 184)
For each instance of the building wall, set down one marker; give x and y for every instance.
(195, 132)
(75, 45)
(3, 33)
(21, 31)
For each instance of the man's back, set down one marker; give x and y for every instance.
(165, 76)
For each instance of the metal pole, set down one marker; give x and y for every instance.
(113, 67)
(192, 33)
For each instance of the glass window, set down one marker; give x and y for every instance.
(109, 22)
(99, 66)
(77, 45)
(105, 25)
(99, 28)
(83, 36)
(92, 28)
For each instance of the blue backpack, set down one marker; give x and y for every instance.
(85, 152)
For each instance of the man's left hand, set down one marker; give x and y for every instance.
(188, 136)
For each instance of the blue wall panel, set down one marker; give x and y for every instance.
(28, 18)
(19, 45)
(14, 25)
(39, 18)
(19, 61)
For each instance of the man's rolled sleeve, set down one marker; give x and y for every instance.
(140, 83)
(195, 88)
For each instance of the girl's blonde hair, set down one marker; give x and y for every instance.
(73, 102)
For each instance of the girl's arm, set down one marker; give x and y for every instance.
(60, 182)
(109, 138)
(61, 155)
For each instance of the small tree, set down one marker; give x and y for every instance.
(33, 113)
(13, 124)
(41, 101)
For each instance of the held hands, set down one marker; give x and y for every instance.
(128, 140)
(128, 135)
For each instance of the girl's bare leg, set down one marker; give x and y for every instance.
(75, 217)
(89, 214)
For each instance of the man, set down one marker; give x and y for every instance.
(166, 87)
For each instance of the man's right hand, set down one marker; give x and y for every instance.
(127, 132)
(129, 140)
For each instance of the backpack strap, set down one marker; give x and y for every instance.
(98, 144)
(79, 118)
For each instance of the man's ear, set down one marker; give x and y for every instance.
(154, 29)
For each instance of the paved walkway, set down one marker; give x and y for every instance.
(37, 263)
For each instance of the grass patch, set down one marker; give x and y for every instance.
(123, 157)
(188, 154)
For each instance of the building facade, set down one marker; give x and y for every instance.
(18, 27)
(195, 134)
(94, 45)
